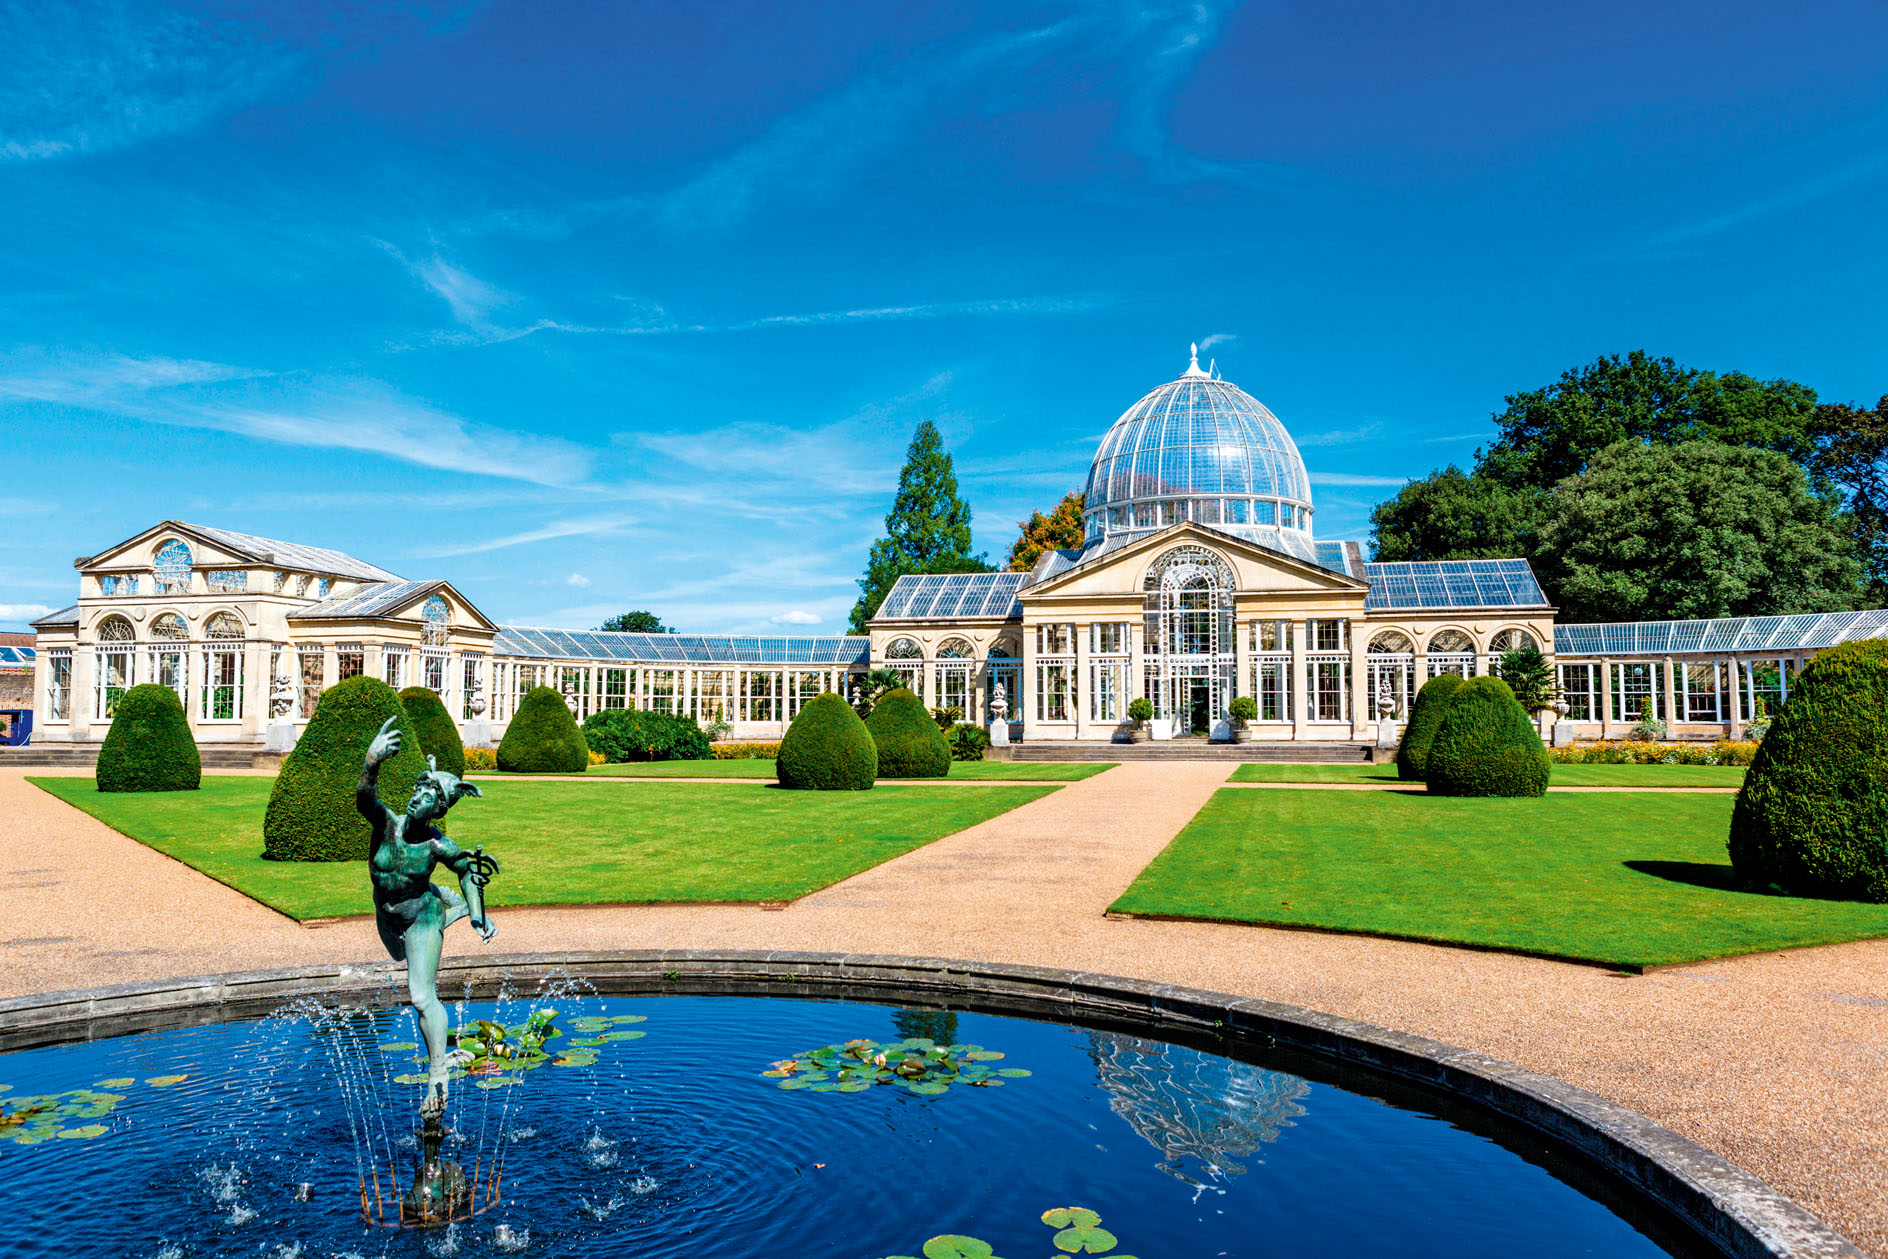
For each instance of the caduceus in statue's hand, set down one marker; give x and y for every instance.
(411, 911)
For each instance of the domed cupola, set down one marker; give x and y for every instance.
(1200, 448)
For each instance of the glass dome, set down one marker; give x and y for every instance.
(1200, 449)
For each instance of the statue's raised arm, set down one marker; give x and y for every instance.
(366, 796)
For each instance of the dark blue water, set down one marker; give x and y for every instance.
(675, 1145)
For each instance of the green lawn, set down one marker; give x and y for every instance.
(973, 771)
(1563, 776)
(573, 843)
(1630, 880)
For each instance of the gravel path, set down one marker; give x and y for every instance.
(1776, 1061)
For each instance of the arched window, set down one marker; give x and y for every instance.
(1513, 640)
(904, 649)
(169, 655)
(434, 617)
(1190, 650)
(905, 658)
(171, 568)
(1452, 651)
(1390, 669)
(955, 649)
(1389, 642)
(113, 636)
(222, 695)
(953, 676)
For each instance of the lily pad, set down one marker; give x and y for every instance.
(957, 1246)
(1090, 1239)
(415, 1077)
(629, 1018)
(393, 1047)
(89, 1132)
(124, 1082)
(927, 1088)
(1013, 1073)
(622, 1036)
(919, 1064)
(165, 1081)
(1071, 1217)
(500, 1082)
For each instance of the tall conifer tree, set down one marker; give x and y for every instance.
(927, 531)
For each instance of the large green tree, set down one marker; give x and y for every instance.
(927, 530)
(1696, 529)
(1450, 515)
(1852, 456)
(1060, 530)
(636, 623)
(1552, 433)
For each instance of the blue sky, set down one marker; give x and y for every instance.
(589, 307)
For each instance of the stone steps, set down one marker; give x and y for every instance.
(1184, 750)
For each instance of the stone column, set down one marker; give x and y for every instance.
(1673, 714)
(1300, 681)
(1078, 684)
(1023, 703)
(1363, 712)
(84, 687)
(1606, 699)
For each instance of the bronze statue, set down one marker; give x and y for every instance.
(411, 911)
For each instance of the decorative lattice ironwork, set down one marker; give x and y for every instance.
(171, 566)
(169, 628)
(434, 617)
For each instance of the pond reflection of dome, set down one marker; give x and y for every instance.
(1200, 448)
(1202, 1113)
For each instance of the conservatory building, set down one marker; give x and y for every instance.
(1198, 579)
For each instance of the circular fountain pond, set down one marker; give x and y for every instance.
(713, 1127)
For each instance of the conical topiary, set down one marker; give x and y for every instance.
(1485, 745)
(1812, 815)
(439, 737)
(311, 813)
(909, 743)
(827, 748)
(149, 747)
(542, 737)
(1412, 754)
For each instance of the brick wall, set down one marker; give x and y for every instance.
(16, 689)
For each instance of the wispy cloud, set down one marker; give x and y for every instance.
(92, 76)
(1343, 436)
(346, 413)
(578, 580)
(795, 617)
(1341, 479)
(1814, 190)
(23, 611)
(1218, 338)
(544, 533)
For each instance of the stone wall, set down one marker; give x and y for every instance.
(16, 689)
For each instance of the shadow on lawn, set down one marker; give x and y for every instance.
(1707, 874)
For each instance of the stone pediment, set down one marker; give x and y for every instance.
(400, 600)
(1256, 568)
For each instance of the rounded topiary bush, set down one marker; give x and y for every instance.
(909, 743)
(149, 747)
(827, 748)
(543, 737)
(311, 813)
(1485, 745)
(439, 737)
(1412, 753)
(1812, 816)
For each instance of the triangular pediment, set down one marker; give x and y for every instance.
(1256, 567)
(136, 551)
(396, 601)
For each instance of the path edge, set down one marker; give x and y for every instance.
(1726, 1207)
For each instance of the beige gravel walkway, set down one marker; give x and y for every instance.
(1779, 1062)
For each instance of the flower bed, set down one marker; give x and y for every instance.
(1642, 752)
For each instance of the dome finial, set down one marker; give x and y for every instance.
(1193, 367)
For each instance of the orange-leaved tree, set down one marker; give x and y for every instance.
(1061, 529)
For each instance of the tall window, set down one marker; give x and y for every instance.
(1052, 689)
(393, 665)
(1764, 688)
(59, 684)
(1391, 665)
(1006, 671)
(1327, 664)
(222, 696)
(1638, 691)
(312, 662)
(469, 683)
(170, 653)
(662, 690)
(350, 661)
(1108, 671)
(434, 616)
(954, 661)
(906, 658)
(1580, 687)
(1703, 692)
(1190, 658)
(114, 638)
(171, 568)
(763, 695)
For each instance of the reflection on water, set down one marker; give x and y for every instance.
(1203, 1114)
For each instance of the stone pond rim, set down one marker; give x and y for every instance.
(1716, 1202)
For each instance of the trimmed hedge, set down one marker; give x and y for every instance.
(1485, 745)
(629, 734)
(311, 813)
(909, 743)
(1812, 815)
(149, 747)
(439, 738)
(542, 737)
(827, 748)
(1412, 754)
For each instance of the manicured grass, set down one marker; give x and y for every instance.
(1628, 879)
(971, 771)
(1563, 775)
(572, 843)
